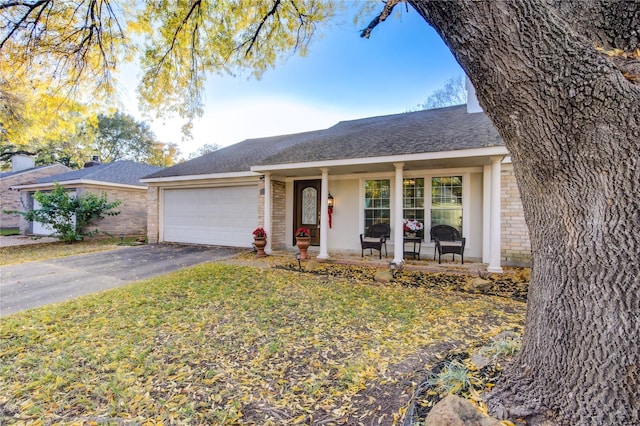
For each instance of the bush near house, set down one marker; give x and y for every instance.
(70, 216)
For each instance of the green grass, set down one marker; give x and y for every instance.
(45, 251)
(9, 231)
(226, 344)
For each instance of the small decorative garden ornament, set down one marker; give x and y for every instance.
(260, 241)
(303, 239)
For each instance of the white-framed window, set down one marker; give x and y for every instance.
(377, 202)
(446, 201)
(413, 197)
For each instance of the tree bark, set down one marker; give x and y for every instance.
(571, 122)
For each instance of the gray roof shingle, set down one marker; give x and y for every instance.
(4, 175)
(122, 172)
(443, 129)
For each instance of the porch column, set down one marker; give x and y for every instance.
(324, 218)
(495, 241)
(486, 213)
(267, 211)
(398, 240)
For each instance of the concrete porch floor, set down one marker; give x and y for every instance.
(425, 263)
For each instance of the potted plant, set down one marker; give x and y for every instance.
(303, 239)
(260, 241)
(411, 227)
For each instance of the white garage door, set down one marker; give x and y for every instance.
(223, 216)
(41, 228)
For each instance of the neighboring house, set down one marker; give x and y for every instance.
(23, 172)
(446, 166)
(120, 180)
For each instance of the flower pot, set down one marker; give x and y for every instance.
(410, 234)
(303, 245)
(260, 243)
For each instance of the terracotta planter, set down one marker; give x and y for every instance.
(303, 245)
(260, 243)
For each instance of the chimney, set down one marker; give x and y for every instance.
(95, 161)
(472, 100)
(20, 162)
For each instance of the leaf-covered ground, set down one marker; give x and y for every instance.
(229, 344)
(45, 251)
(514, 285)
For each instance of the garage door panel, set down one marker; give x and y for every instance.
(218, 216)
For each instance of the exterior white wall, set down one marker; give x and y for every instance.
(348, 215)
(344, 235)
(475, 213)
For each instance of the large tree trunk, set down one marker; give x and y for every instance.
(571, 122)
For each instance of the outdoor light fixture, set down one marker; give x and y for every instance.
(298, 259)
(330, 204)
(393, 267)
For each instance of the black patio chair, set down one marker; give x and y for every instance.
(375, 238)
(448, 240)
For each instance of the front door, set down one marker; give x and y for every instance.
(307, 208)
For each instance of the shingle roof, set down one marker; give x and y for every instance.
(444, 129)
(123, 172)
(234, 158)
(9, 174)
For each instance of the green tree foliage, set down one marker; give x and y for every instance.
(120, 137)
(70, 216)
(73, 47)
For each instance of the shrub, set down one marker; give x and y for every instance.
(70, 216)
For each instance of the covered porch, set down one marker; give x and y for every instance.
(345, 183)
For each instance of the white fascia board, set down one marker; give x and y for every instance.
(49, 185)
(463, 153)
(202, 177)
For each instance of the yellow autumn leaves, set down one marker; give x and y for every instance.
(228, 344)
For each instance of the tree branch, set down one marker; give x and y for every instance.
(22, 21)
(386, 11)
(254, 38)
(196, 5)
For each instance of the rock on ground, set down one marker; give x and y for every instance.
(456, 411)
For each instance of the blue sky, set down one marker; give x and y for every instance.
(343, 77)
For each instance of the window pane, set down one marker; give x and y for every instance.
(446, 201)
(413, 201)
(309, 206)
(377, 201)
(449, 217)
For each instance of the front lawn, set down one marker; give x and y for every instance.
(46, 251)
(229, 344)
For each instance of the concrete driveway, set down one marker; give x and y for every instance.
(34, 284)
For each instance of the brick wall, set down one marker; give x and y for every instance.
(516, 247)
(132, 219)
(153, 214)
(10, 200)
(278, 224)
